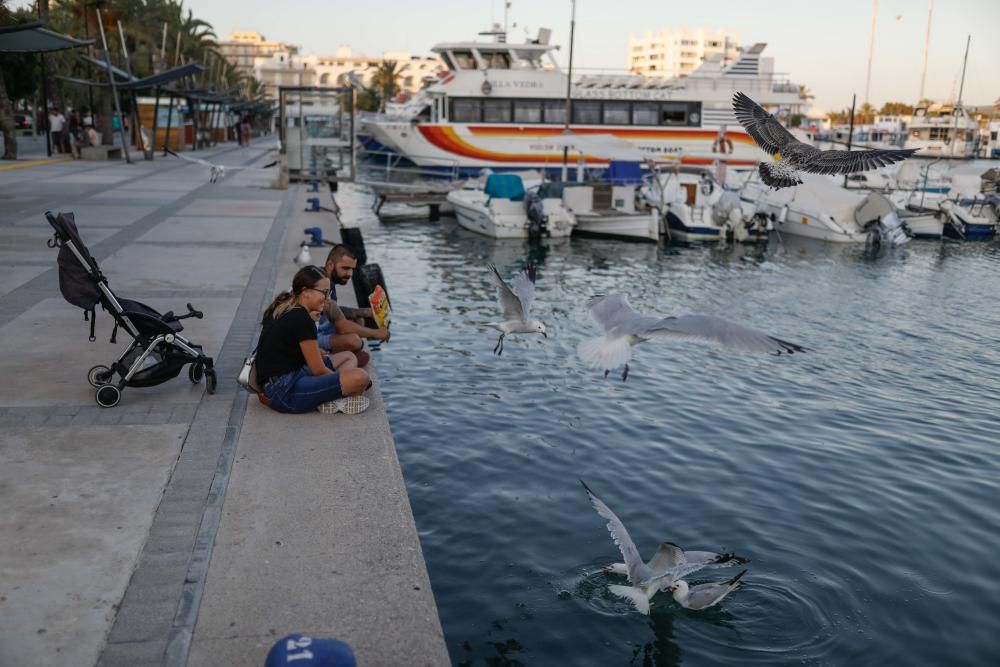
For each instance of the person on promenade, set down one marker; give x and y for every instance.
(295, 376)
(56, 123)
(245, 130)
(75, 134)
(339, 329)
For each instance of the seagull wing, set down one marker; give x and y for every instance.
(266, 166)
(524, 288)
(192, 160)
(718, 330)
(765, 129)
(712, 559)
(509, 303)
(615, 315)
(637, 570)
(846, 162)
(634, 595)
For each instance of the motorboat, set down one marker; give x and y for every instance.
(504, 210)
(821, 209)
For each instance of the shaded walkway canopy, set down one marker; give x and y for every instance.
(35, 38)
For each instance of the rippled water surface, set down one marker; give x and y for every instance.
(861, 479)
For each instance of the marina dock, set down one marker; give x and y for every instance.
(181, 527)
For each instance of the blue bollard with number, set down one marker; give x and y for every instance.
(303, 651)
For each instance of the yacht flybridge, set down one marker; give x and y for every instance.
(500, 104)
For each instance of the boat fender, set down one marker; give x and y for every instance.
(707, 186)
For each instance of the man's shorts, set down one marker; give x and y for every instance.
(324, 330)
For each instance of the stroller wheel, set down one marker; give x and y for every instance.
(195, 372)
(210, 381)
(108, 396)
(99, 375)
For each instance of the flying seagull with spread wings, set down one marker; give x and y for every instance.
(217, 171)
(624, 327)
(516, 304)
(796, 156)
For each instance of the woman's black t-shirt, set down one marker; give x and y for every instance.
(278, 351)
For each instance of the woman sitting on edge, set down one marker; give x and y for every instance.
(294, 374)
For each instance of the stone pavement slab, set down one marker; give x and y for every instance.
(77, 505)
(209, 230)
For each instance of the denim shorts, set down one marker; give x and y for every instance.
(301, 391)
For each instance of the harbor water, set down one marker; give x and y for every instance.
(861, 478)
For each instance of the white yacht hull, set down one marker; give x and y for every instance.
(498, 218)
(628, 226)
(807, 225)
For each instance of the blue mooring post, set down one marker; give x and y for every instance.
(313, 204)
(314, 186)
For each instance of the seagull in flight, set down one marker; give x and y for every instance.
(796, 156)
(624, 327)
(663, 570)
(515, 303)
(217, 171)
(703, 596)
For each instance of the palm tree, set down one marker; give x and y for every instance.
(866, 114)
(805, 94)
(384, 80)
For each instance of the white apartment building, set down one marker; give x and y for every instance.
(286, 68)
(242, 48)
(675, 52)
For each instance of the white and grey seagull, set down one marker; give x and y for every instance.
(515, 304)
(663, 570)
(703, 596)
(217, 171)
(624, 327)
(796, 156)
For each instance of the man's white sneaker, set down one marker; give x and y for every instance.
(350, 405)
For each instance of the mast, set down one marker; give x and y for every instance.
(871, 49)
(927, 46)
(958, 105)
(569, 89)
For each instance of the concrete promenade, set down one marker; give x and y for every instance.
(180, 527)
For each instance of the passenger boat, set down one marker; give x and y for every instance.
(500, 105)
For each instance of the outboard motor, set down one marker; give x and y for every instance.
(538, 222)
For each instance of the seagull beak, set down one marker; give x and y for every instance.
(545, 334)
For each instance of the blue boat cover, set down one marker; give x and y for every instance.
(624, 173)
(505, 186)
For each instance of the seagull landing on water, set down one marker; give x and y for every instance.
(217, 171)
(663, 570)
(515, 304)
(796, 156)
(624, 327)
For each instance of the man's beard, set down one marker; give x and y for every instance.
(341, 281)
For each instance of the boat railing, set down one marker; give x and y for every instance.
(393, 169)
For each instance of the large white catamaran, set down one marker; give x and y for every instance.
(499, 105)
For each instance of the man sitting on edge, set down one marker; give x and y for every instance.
(338, 329)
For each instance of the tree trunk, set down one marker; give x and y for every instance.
(51, 65)
(7, 124)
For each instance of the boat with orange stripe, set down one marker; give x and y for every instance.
(500, 104)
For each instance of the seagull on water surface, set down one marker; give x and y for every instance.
(703, 596)
(515, 303)
(624, 327)
(664, 569)
(796, 156)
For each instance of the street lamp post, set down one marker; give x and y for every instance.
(569, 91)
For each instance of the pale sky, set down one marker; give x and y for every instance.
(823, 45)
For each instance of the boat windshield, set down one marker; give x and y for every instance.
(496, 59)
(464, 59)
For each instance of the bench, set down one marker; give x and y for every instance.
(100, 153)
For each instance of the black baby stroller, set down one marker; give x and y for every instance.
(157, 353)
